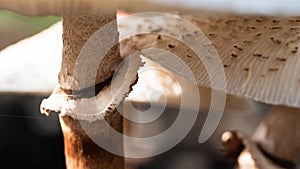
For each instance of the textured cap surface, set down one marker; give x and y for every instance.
(260, 54)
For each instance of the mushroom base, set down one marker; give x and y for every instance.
(82, 152)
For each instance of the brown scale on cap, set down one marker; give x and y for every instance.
(281, 59)
(276, 41)
(235, 46)
(257, 35)
(273, 69)
(276, 28)
(295, 50)
(234, 55)
(171, 46)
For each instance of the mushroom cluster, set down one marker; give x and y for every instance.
(259, 55)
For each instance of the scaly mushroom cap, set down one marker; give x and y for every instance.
(260, 57)
(260, 54)
(57, 7)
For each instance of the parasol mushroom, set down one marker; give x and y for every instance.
(255, 51)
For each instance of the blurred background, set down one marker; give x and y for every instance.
(31, 140)
(28, 139)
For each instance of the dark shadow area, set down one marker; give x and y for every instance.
(28, 138)
(32, 140)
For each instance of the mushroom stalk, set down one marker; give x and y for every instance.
(80, 150)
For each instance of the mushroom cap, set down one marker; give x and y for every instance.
(260, 54)
(57, 7)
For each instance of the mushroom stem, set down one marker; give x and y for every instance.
(80, 150)
(78, 27)
(278, 135)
